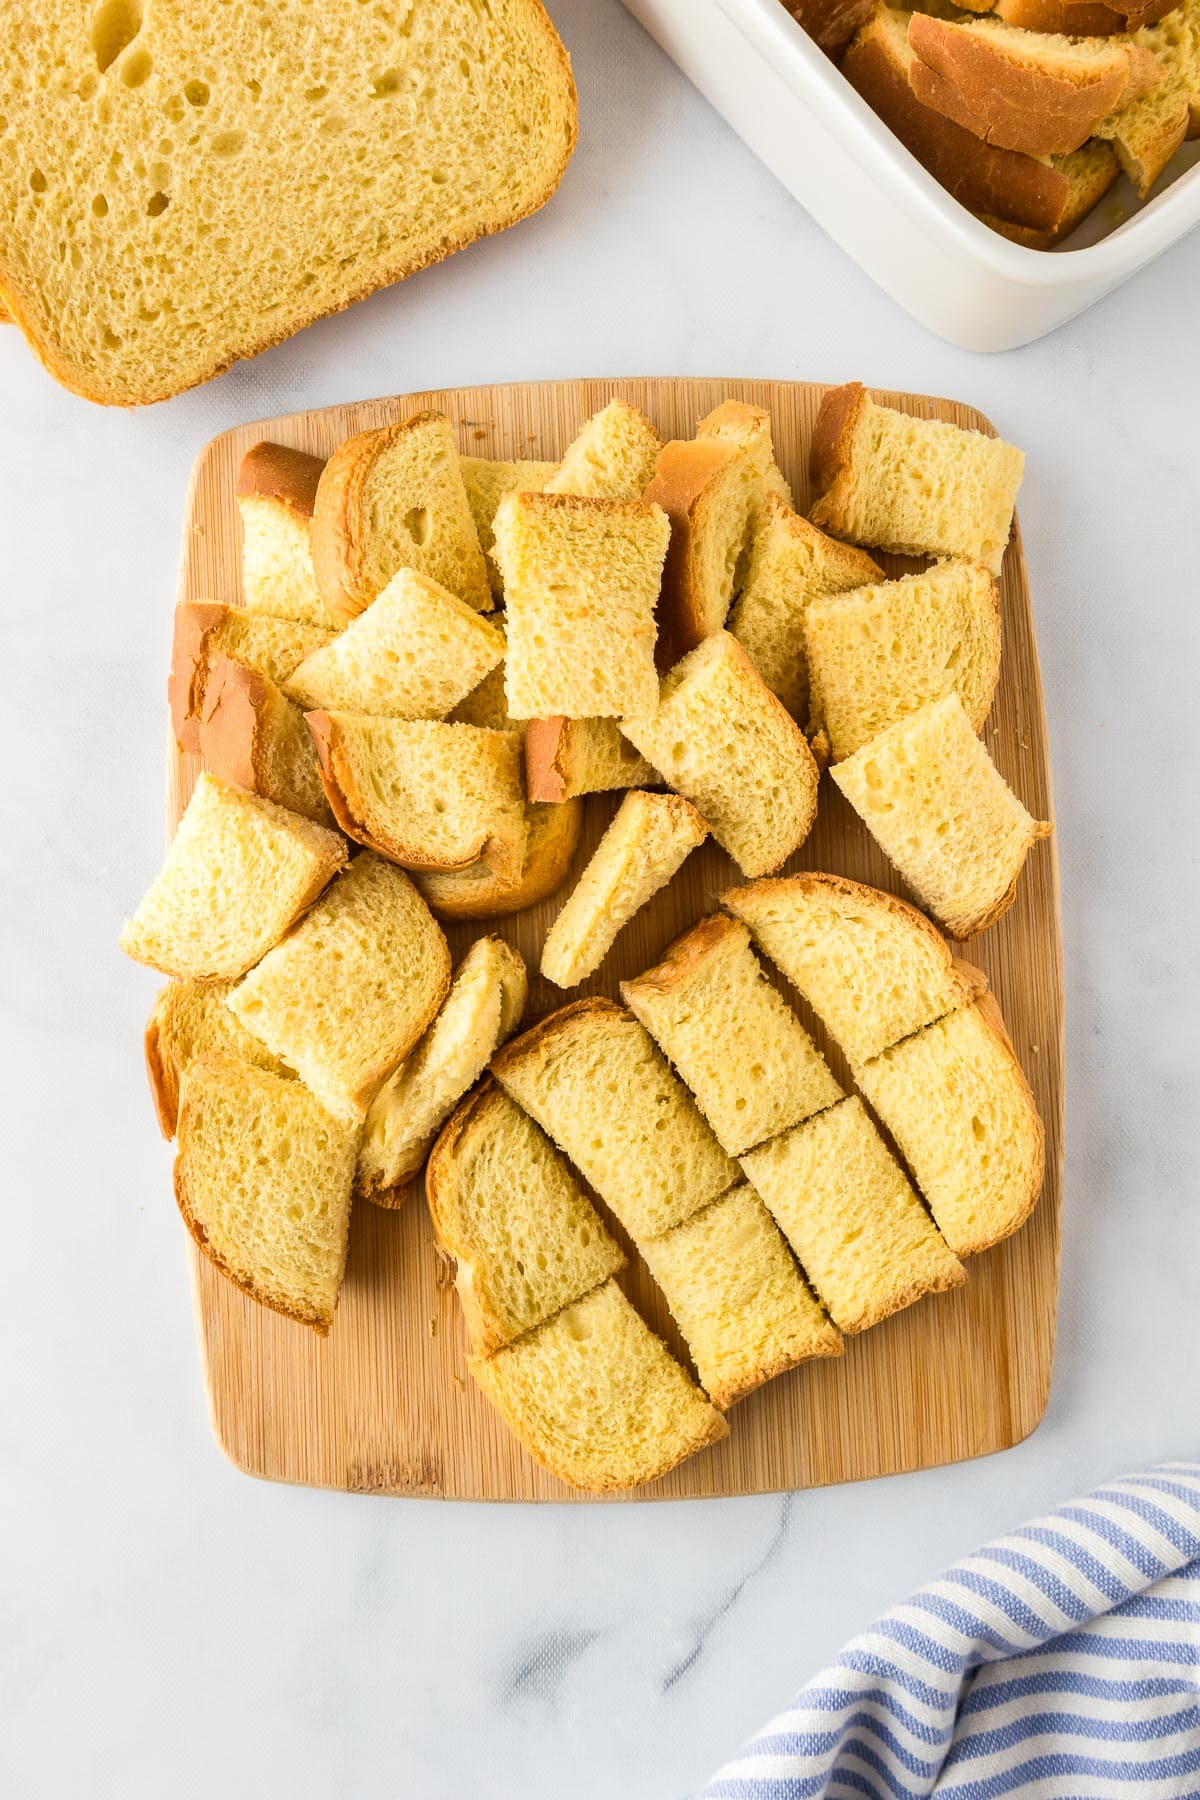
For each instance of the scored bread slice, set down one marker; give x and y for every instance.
(738, 1046)
(565, 757)
(423, 793)
(721, 739)
(597, 1399)
(749, 427)
(848, 1211)
(958, 1105)
(482, 1009)
(486, 483)
(525, 1238)
(922, 487)
(239, 872)
(276, 489)
(205, 630)
(935, 803)
(262, 1178)
(1175, 42)
(551, 838)
(189, 1020)
(348, 993)
(872, 967)
(611, 457)
(581, 583)
(712, 489)
(252, 735)
(1083, 18)
(597, 1083)
(1090, 173)
(1148, 131)
(878, 653)
(395, 499)
(648, 840)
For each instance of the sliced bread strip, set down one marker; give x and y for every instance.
(346, 996)
(1083, 18)
(252, 735)
(487, 482)
(749, 427)
(482, 1009)
(712, 489)
(611, 458)
(262, 1178)
(740, 1048)
(846, 1207)
(276, 491)
(565, 757)
(1148, 131)
(597, 1399)
(238, 873)
(648, 840)
(934, 801)
(959, 1107)
(743, 1307)
(525, 1238)
(722, 740)
(205, 630)
(594, 1079)
(1176, 43)
(551, 837)
(189, 1020)
(1090, 173)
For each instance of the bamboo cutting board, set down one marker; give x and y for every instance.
(385, 1405)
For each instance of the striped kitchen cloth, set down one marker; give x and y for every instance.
(1059, 1663)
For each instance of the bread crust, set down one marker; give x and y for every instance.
(1084, 196)
(546, 773)
(829, 454)
(546, 866)
(1083, 18)
(164, 1086)
(989, 1013)
(270, 471)
(686, 954)
(535, 1041)
(683, 476)
(229, 729)
(194, 623)
(485, 1331)
(830, 23)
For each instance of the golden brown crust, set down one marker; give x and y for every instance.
(338, 534)
(728, 1394)
(833, 433)
(1083, 18)
(545, 760)
(534, 1041)
(229, 729)
(953, 1275)
(547, 862)
(1084, 196)
(988, 1010)
(274, 472)
(683, 474)
(194, 623)
(685, 954)
(163, 1077)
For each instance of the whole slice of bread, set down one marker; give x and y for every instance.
(565, 757)
(262, 1179)
(482, 1009)
(740, 1048)
(956, 1102)
(1090, 173)
(1176, 44)
(1148, 131)
(252, 735)
(647, 842)
(395, 499)
(276, 490)
(581, 583)
(749, 427)
(551, 839)
(346, 996)
(597, 1399)
(722, 739)
(205, 630)
(596, 1082)
(846, 1207)
(744, 1309)
(189, 1020)
(426, 794)
(487, 482)
(1083, 18)
(872, 967)
(239, 872)
(712, 489)
(224, 178)
(611, 458)
(933, 799)
(525, 1238)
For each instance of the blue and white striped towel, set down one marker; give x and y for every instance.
(1059, 1663)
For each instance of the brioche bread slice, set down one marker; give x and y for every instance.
(1082, 18)
(262, 1178)
(722, 740)
(1148, 131)
(487, 482)
(739, 1047)
(345, 997)
(647, 842)
(878, 653)
(423, 793)
(959, 1107)
(872, 967)
(596, 1082)
(846, 1208)
(611, 457)
(551, 838)
(189, 1020)
(919, 486)
(205, 630)
(252, 735)
(712, 489)
(525, 1238)
(276, 489)
(565, 757)
(597, 1399)
(482, 1009)
(749, 427)
(1176, 44)
(1090, 173)
(581, 582)
(395, 499)
(934, 801)
(239, 872)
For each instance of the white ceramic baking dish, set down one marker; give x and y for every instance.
(797, 113)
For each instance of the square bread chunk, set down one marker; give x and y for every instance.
(611, 457)
(487, 482)
(252, 735)
(749, 428)
(276, 491)
(565, 757)
(712, 489)
(205, 631)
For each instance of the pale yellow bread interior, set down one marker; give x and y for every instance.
(190, 1019)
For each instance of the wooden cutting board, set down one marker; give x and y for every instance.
(384, 1404)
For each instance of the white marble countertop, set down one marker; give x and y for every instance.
(173, 1628)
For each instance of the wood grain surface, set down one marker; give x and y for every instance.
(385, 1404)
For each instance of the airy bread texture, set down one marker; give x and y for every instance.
(919, 486)
(933, 799)
(262, 1179)
(597, 1399)
(345, 997)
(722, 739)
(648, 840)
(879, 653)
(844, 1205)
(487, 704)
(581, 582)
(612, 458)
(238, 873)
(956, 1102)
(749, 427)
(594, 1079)
(395, 499)
(424, 793)
(487, 483)
(1148, 131)
(225, 177)
(414, 653)
(252, 735)
(552, 835)
(712, 489)
(189, 1020)
(737, 1297)
(1176, 44)
(482, 1009)
(740, 1048)
(204, 631)
(525, 1238)
(872, 967)
(276, 491)
(565, 757)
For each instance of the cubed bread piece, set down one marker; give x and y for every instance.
(1082, 18)
(1175, 42)
(205, 631)
(611, 458)
(712, 489)
(276, 490)
(252, 735)
(551, 837)
(1090, 173)
(189, 1020)
(565, 757)
(1147, 132)
(749, 427)
(487, 482)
